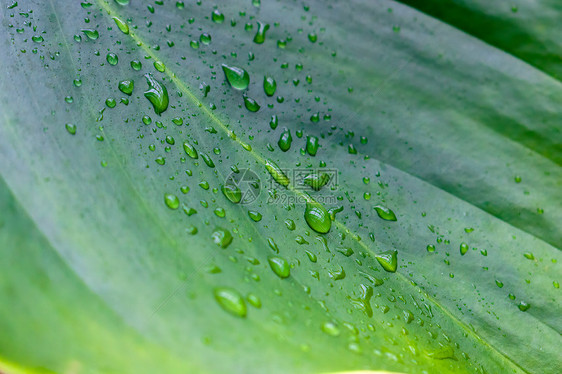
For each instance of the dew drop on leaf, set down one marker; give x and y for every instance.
(127, 86)
(463, 248)
(237, 77)
(232, 192)
(231, 301)
(269, 85)
(317, 217)
(91, 34)
(71, 128)
(122, 25)
(388, 260)
(385, 213)
(157, 94)
(190, 150)
(251, 104)
(221, 237)
(285, 140)
(311, 145)
(259, 38)
(171, 201)
(280, 266)
(217, 16)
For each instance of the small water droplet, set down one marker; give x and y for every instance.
(259, 38)
(231, 301)
(251, 104)
(171, 201)
(221, 237)
(280, 266)
(127, 86)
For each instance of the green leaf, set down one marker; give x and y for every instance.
(101, 271)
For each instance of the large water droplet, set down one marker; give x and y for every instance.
(388, 260)
(278, 175)
(317, 217)
(232, 192)
(157, 94)
(171, 201)
(122, 25)
(385, 213)
(285, 140)
(280, 266)
(231, 301)
(269, 86)
(237, 77)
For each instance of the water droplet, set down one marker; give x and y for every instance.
(171, 201)
(285, 140)
(122, 25)
(159, 65)
(290, 224)
(231, 301)
(337, 274)
(445, 352)
(127, 87)
(91, 34)
(274, 122)
(388, 260)
(251, 104)
(237, 77)
(232, 192)
(259, 38)
(71, 128)
(523, 306)
(276, 172)
(221, 237)
(217, 16)
(311, 145)
(330, 328)
(254, 300)
(190, 150)
(430, 248)
(385, 213)
(529, 256)
(312, 37)
(157, 94)
(463, 248)
(317, 217)
(110, 102)
(112, 58)
(37, 39)
(269, 85)
(255, 216)
(136, 65)
(280, 266)
(499, 283)
(207, 160)
(317, 180)
(205, 38)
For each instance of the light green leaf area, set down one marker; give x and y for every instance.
(129, 244)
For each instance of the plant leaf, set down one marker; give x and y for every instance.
(103, 270)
